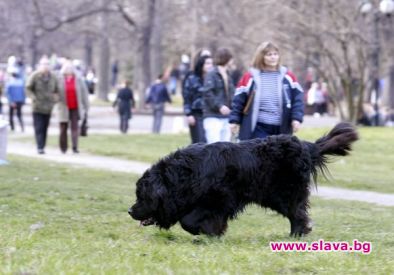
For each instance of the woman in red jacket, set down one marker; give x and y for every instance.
(73, 104)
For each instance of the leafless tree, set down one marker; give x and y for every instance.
(149, 35)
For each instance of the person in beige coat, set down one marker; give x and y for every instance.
(73, 105)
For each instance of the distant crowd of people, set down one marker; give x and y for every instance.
(61, 84)
(265, 100)
(221, 102)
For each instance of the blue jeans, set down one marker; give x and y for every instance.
(158, 112)
(264, 130)
(197, 131)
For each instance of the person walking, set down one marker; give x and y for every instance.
(124, 101)
(115, 72)
(15, 91)
(42, 86)
(217, 96)
(268, 99)
(193, 88)
(157, 97)
(73, 105)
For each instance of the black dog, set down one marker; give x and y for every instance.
(202, 186)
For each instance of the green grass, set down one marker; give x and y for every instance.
(369, 167)
(141, 147)
(86, 230)
(177, 100)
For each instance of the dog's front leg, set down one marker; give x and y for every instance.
(203, 221)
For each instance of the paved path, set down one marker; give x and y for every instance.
(104, 120)
(114, 164)
(82, 159)
(354, 195)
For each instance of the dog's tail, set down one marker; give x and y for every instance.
(336, 143)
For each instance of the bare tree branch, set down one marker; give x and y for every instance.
(126, 16)
(68, 19)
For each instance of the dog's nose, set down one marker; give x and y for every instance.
(130, 211)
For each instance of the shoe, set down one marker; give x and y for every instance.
(75, 151)
(41, 151)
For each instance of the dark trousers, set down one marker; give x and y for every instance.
(158, 112)
(18, 109)
(321, 108)
(63, 141)
(41, 123)
(197, 132)
(264, 130)
(124, 123)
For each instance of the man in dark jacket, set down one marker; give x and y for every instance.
(158, 96)
(124, 101)
(218, 94)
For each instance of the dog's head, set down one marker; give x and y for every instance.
(153, 205)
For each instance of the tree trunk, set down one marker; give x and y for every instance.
(349, 99)
(104, 59)
(34, 50)
(333, 90)
(391, 94)
(144, 53)
(88, 51)
(156, 47)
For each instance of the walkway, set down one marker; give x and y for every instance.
(118, 165)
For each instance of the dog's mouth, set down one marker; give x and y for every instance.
(147, 222)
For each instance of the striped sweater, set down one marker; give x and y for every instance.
(270, 98)
(290, 102)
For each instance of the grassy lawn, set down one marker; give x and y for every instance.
(55, 219)
(370, 166)
(141, 147)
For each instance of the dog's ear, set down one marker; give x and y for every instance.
(159, 194)
(164, 204)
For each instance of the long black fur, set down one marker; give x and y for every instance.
(203, 186)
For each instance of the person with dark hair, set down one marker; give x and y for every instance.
(15, 91)
(268, 99)
(124, 101)
(157, 97)
(201, 52)
(218, 94)
(193, 98)
(114, 72)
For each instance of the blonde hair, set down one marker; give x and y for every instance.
(261, 51)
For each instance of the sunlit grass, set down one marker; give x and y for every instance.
(56, 219)
(369, 167)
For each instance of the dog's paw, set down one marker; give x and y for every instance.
(300, 232)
